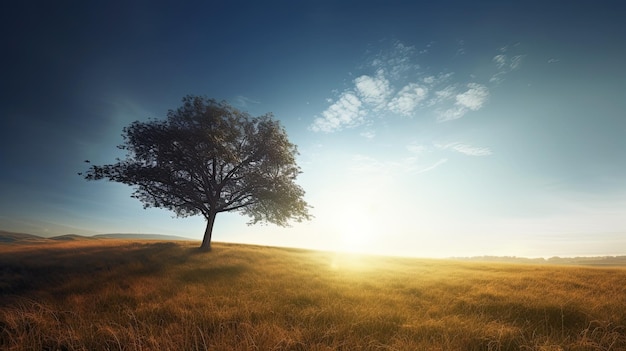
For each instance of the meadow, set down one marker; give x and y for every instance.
(148, 295)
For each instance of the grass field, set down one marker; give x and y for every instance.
(134, 295)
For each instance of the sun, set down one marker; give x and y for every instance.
(356, 231)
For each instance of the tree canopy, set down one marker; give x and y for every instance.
(208, 157)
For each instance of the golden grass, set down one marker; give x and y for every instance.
(131, 295)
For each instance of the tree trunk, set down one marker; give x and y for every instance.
(206, 241)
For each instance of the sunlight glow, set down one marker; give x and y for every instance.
(357, 231)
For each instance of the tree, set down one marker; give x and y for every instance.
(208, 157)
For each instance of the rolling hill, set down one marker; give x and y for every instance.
(10, 237)
(141, 236)
(16, 238)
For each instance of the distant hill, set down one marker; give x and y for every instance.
(140, 236)
(10, 237)
(71, 237)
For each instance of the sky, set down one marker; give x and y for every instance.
(429, 129)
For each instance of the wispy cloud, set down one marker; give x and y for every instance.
(516, 62)
(505, 63)
(373, 90)
(472, 99)
(465, 149)
(433, 166)
(243, 101)
(361, 164)
(345, 112)
(416, 148)
(460, 48)
(399, 86)
(369, 134)
(407, 99)
(442, 95)
(451, 114)
(397, 61)
(415, 163)
(438, 79)
(500, 61)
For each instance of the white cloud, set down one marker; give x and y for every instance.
(345, 112)
(407, 99)
(466, 149)
(446, 92)
(442, 95)
(451, 114)
(373, 90)
(397, 85)
(474, 97)
(436, 80)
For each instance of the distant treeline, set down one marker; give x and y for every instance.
(587, 261)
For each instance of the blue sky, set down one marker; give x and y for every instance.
(449, 129)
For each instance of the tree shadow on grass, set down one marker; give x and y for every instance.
(204, 275)
(62, 270)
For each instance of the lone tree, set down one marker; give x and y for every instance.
(208, 157)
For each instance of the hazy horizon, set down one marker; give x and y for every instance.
(340, 251)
